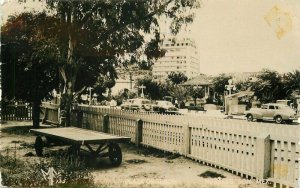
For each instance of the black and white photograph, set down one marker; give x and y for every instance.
(150, 93)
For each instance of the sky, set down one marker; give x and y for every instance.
(234, 35)
(238, 36)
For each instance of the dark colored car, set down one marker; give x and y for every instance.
(165, 107)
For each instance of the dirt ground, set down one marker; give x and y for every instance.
(141, 167)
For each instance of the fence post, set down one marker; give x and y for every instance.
(105, 123)
(263, 156)
(79, 118)
(138, 132)
(45, 115)
(186, 139)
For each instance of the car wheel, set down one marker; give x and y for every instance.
(161, 110)
(250, 117)
(278, 119)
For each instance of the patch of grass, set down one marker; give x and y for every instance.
(210, 174)
(17, 130)
(173, 156)
(157, 153)
(27, 145)
(71, 172)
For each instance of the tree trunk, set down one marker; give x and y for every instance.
(36, 101)
(36, 108)
(69, 73)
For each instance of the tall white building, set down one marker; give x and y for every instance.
(181, 56)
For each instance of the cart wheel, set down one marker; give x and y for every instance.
(115, 154)
(38, 145)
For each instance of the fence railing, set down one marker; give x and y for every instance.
(248, 149)
(16, 112)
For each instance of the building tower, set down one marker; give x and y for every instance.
(181, 56)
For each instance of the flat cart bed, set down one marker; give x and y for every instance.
(77, 137)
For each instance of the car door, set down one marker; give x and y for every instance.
(270, 112)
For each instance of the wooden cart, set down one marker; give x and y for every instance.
(107, 145)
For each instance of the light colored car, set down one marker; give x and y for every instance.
(272, 111)
(165, 107)
(137, 104)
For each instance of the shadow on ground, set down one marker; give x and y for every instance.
(17, 130)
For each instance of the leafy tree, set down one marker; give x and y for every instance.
(243, 86)
(196, 93)
(178, 92)
(29, 72)
(177, 78)
(97, 33)
(269, 86)
(144, 65)
(219, 83)
(153, 90)
(124, 94)
(90, 37)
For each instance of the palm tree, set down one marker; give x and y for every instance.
(269, 86)
(179, 93)
(292, 82)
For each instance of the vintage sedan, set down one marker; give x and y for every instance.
(272, 111)
(137, 104)
(165, 107)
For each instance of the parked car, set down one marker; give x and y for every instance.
(165, 107)
(196, 108)
(272, 111)
(137, 104)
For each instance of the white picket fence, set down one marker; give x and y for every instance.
(248, 149)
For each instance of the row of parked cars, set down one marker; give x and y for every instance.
(140, 104)
(279, 113)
